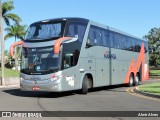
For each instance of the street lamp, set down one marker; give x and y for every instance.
(2, 43)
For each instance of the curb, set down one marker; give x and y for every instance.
(145, 93)
(155, 77)
(10, 86)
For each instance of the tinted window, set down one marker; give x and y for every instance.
(92, 37)
(114, 37)
(121, 41)
(98, 36)
(103, 37)
(41, 31)
(70, 54)
(146, 47)
(76, 29)
(126, 43)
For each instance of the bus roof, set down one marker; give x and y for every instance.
(63, 19)
(86, 21)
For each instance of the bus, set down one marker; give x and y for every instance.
(65, 54)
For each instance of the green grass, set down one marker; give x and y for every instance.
(10, 73)
(151, 88)
(154, 72)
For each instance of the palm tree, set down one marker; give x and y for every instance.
(7, 16)
(16, 31)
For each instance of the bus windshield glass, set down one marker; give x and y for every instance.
(45, 30)
(39, 60)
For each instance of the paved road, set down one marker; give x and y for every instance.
(113, 98)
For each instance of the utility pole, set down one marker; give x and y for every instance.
(2, 43)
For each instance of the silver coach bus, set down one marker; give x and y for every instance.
(74, 53)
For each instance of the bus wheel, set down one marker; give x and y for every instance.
(86, 84)
(136, 81)
(131, 80)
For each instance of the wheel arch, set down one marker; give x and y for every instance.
(89, 75)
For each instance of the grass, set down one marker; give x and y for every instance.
(10, 73)
(154, 72)
(153, 88)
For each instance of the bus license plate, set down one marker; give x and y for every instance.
(35, 88)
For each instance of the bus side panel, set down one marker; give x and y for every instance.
(87, 66)
(102, 66)
(97, 61)
(119, 65)
(70, 79)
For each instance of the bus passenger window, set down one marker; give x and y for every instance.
(75, 29)
(66, 65)
(90, 42)
(68, 60)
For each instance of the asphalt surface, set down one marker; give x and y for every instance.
(114, 98)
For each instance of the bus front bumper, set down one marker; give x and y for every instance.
(47, 85)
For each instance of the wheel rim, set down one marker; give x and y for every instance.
(137, 79)
(131, 80)
(89, 83)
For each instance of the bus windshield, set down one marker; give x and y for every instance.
(39, 60)
(45, 30)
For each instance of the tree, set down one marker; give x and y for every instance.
(153, 38)
(7, 56)
(7, 16)
(2, 44)
(17, 31)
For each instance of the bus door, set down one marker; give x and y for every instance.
(69, 72)
(114, 69)
(102, 67)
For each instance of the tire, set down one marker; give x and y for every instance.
(136, 80)
(86, 84)
(131, 80)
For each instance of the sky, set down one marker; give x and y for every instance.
(135, 17)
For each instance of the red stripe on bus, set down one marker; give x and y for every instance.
(135, 65)
(13, 46)
(58, 44)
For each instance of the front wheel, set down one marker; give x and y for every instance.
(86, 84)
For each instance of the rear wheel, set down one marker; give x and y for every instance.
(136, 81)
(86, 84)
(131, 80)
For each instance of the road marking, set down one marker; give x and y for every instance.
(130, 91)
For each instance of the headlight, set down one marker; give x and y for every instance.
(56, 79)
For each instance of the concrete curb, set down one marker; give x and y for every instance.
(155, 77)
(136, 90)
(11, 86)
(11, 82)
